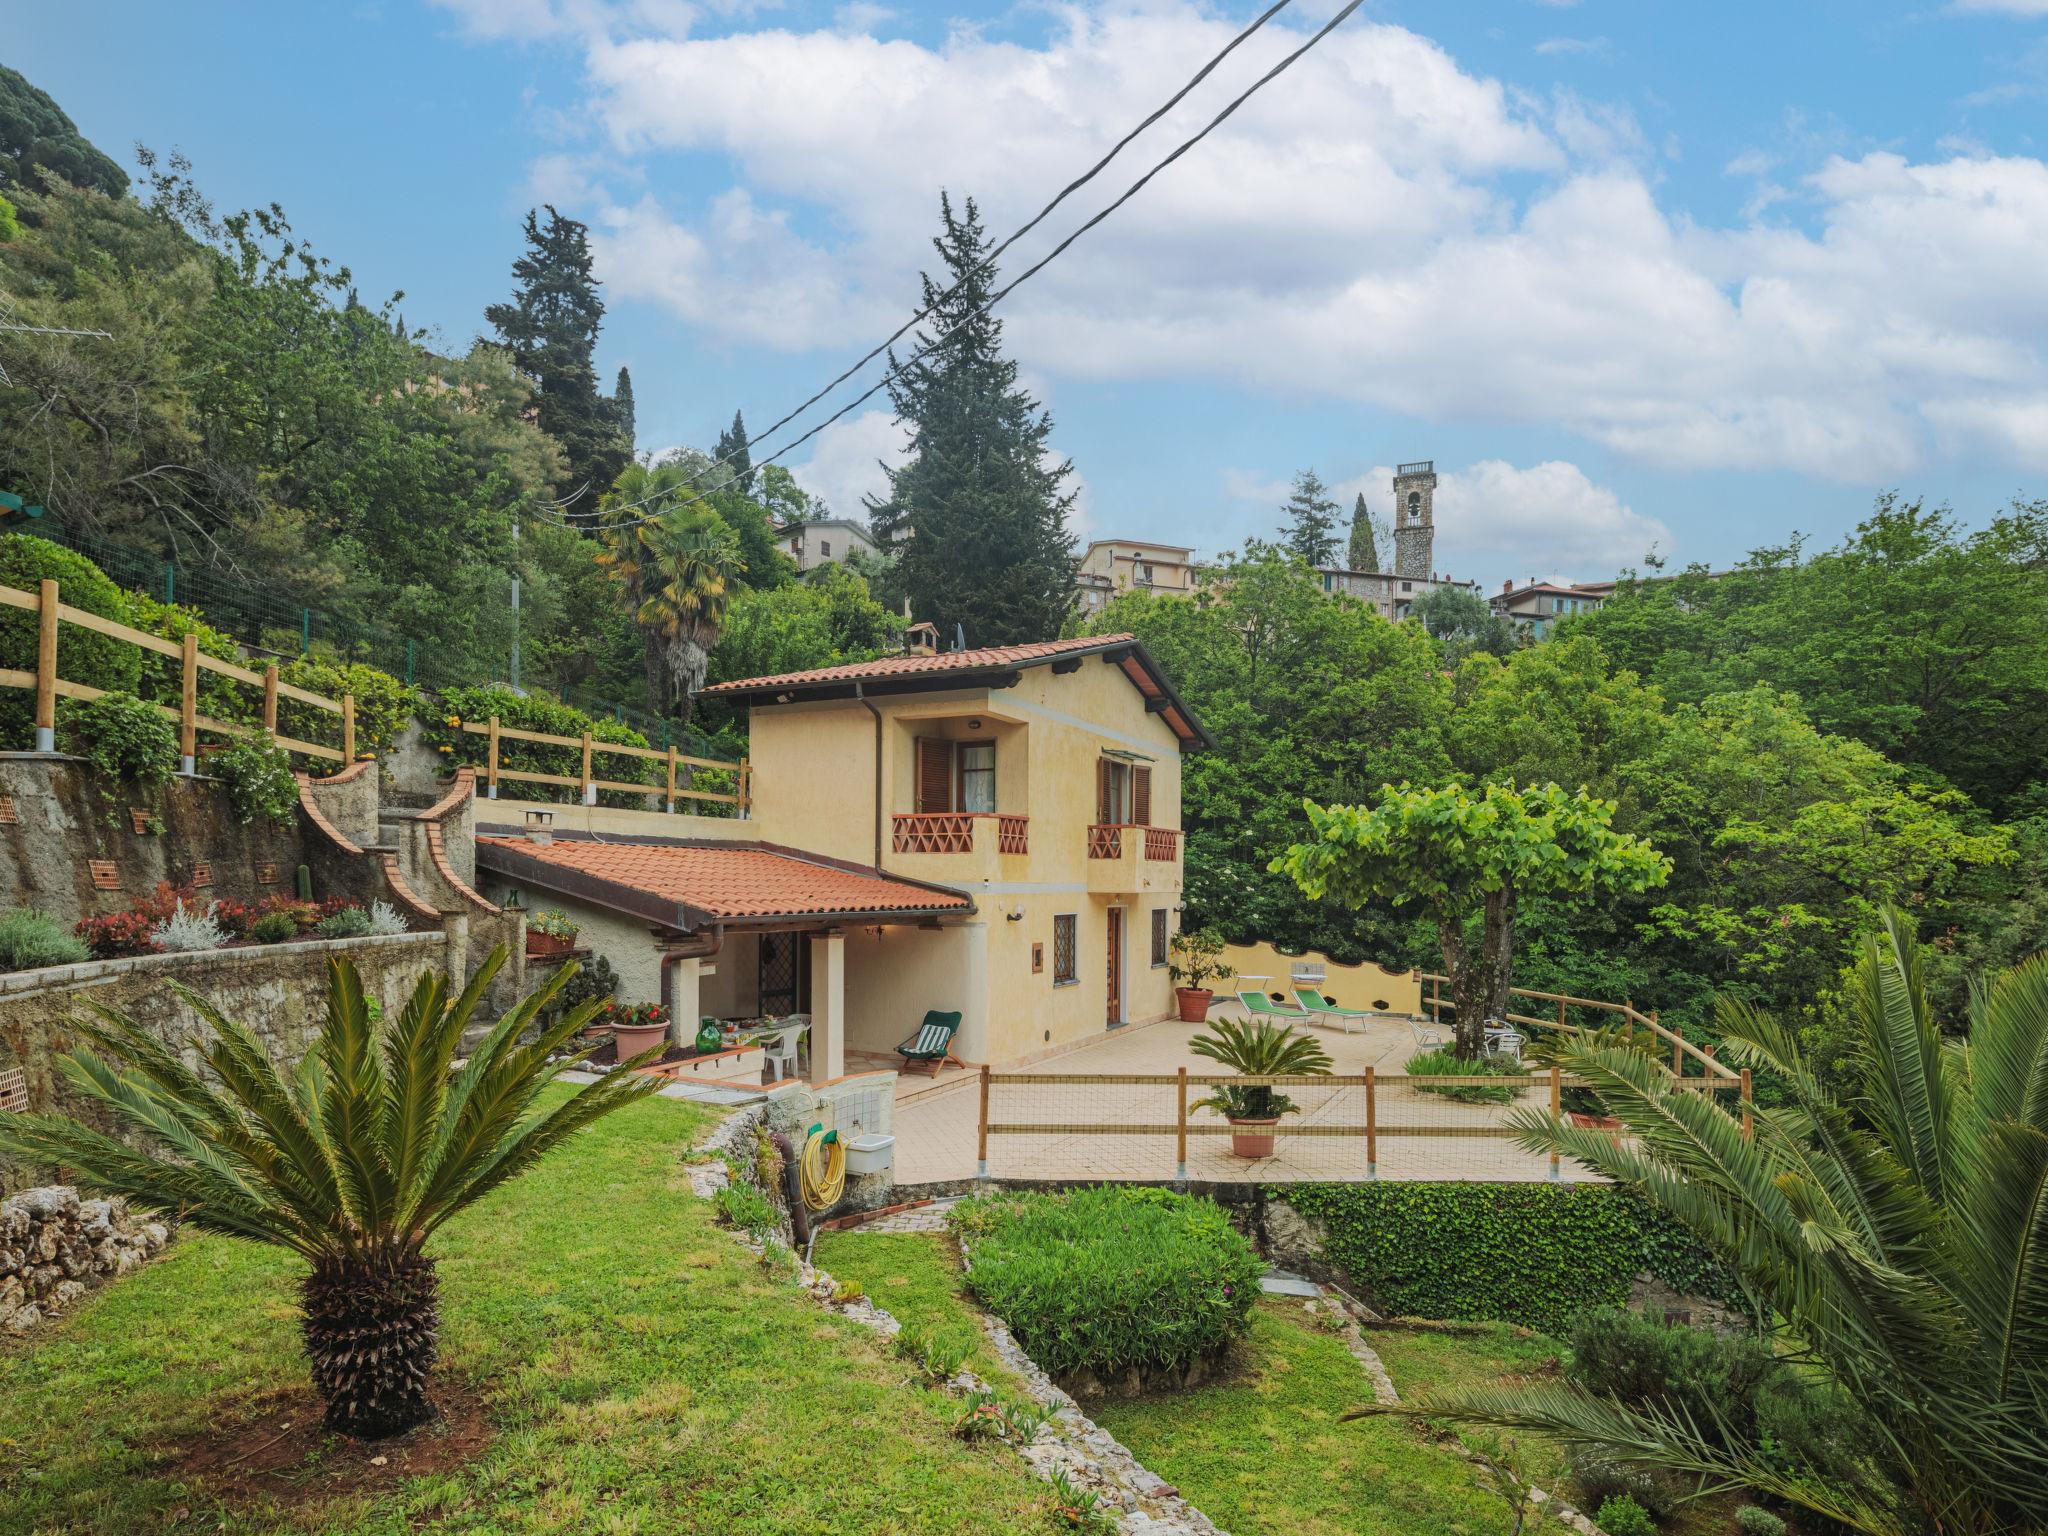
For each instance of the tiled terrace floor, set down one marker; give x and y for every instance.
(1420, 1136)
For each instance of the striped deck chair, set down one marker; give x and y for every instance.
(932, 1045)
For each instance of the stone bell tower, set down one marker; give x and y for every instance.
(1415, 519)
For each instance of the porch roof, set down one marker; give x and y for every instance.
(696, 885)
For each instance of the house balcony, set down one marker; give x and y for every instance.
(955, 846)
(1127, 860)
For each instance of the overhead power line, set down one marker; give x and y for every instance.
(608, 514)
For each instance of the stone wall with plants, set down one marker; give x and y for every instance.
(277, 990)
(54, 1244)
(1535, 1254)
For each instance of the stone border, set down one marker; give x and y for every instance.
(1068, 1442)
(89, 973)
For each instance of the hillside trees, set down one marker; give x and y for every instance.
(977, 512)
(1310, 530)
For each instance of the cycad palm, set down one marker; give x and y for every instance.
(1896, 1236)
(1258, 1048)
(680, 571)
(352, 1162)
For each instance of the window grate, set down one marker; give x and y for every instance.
(1065, 966)
(1159, 935)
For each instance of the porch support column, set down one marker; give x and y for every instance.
(681, 975)
(828, 1005)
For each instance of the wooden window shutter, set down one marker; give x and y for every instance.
(1141, 796)
(1102, 789)
(934, 774)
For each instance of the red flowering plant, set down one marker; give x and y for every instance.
(618, 1015)
(110, 935)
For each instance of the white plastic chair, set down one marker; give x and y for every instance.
(779, 1050)
(1425, 1039)
(1504, 1040)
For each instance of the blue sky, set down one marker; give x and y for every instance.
(1630, 272)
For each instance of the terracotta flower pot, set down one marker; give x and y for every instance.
(539, 945)
(1194, 1003)
(1252, 1138)
(634, 1038)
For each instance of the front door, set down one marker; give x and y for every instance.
(1116, 966)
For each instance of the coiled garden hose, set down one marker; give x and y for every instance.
(822, 1169)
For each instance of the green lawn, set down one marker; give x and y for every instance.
(641, 1373)
(917, 1279)
(1421, 1361)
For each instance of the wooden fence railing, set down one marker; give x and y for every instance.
(586, 781)
(49, 685)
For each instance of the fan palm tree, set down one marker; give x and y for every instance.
(680, 571)
(1894, 1233)
(352, 1162)
(1258, 1048)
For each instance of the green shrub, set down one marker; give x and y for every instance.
(30, 940)
(1109, 1278)
(1623, 1516)
(123, 737)
(1754, 1520)
(1536, 1254)
(534, 712)
(348, 923)
(1711, 1378)
(258, 774)
(1596, 1479)
(384, 704)
(274, 928)
(1445, 1063)
(163, 677)
(99, 661)
(743, 1206)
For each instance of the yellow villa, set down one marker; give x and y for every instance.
(991, 832)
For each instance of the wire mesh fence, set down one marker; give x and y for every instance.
(1160, 1127)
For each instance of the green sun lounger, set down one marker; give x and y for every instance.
(1258, 1005)
(1315, 1002)
(932, 1045)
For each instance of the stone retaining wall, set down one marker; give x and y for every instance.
(52, 1243)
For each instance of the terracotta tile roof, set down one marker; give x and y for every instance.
(991, 656)
(717, 882)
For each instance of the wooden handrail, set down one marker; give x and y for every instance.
(1681, 1047)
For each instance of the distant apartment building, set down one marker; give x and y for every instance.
(823, 540)
(1111, 567)
(1536, 606)
(1390, 594)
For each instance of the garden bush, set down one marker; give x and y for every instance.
(1536, 1254)
(100, 661)
(442, 726)
(274, 928)
(1111, 1279)
(1444, 1062)
(30, 940)
(110, 935)
(348, 923)
(1712, 1378)
(1754, 1520)
(258, 774)
(123, 737)
(384, 704)
(189, 930)
(1623, 1516)
(163, 677)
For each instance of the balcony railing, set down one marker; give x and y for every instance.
(1106, 841)
(953, 831)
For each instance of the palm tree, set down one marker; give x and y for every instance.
(352, 1162)
(1894, 1233)
(680, 571)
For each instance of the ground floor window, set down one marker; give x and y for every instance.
(1064, 964)
(1159, 921)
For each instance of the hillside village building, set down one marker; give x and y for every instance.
(823, 540)
(1536, 606)
(992, 832)
(1111, 567)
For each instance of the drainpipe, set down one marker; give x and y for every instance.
(703, 945)
(859, 692)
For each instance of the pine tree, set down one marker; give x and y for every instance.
(622, 409)
(550, 326)
(977, 513)
(1311, 528)
(1364, 553)
(733, 454)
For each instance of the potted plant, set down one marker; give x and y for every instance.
(1193, 964)
(636, 1027)
(1257, 1048)
(549, 933)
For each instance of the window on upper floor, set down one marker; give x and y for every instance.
(824, 549)
(1145, 574)
(1065, 962)
(955, 775)
(1123, 793)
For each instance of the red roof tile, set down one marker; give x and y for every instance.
(945, 661)
(717, 882)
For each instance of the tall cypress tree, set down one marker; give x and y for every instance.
(1311, 527)
(978, 516)
(1364, 553)
(551, 325)
(732, 452)
(622, 409)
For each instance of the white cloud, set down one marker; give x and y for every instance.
(846, 461)
(1999, 7)
(1382, 227)
(1589, 45)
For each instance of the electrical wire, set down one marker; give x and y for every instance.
(609, 514)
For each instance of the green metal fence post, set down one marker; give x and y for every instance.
(170, 582)
(305, 631)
